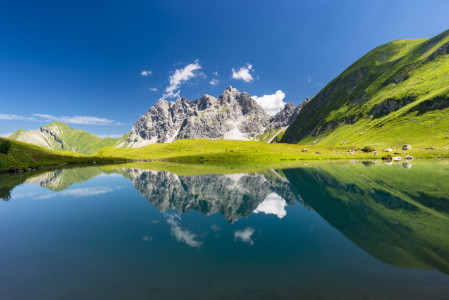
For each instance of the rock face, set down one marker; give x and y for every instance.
(233, 116)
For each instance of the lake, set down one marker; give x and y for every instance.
(363, 230)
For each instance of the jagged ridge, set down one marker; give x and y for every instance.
(233, 116)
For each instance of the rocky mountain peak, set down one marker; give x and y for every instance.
(233, 115)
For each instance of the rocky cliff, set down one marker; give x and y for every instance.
(233, 116)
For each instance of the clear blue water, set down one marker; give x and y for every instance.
(333, 231)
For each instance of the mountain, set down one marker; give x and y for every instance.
(397, 93)
(59, 136)
(233, 116)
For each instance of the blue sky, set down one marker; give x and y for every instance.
(82, 61)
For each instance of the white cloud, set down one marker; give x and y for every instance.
(309, 78)
(16, 117)
(153, 89)
(86, 120)
(182, 235)
(146, 73)
(215, 73)
(273, 204)
(80, 192)
(180, 76)
(244, 235)
(214, 82)
(5, 135)
(272, 104)
(243, 73)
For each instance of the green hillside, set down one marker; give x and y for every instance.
(59, 136)
(397, 93)
(24, 156)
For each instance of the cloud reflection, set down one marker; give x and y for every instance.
(80, 192)
(244, 235)
(273, 204)
(182, 235)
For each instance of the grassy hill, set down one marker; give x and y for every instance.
(59, 136)
(397, 93)
(23, 156)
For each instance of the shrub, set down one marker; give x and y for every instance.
(5, 146)
(368, 149)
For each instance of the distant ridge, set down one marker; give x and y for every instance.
(59, 136)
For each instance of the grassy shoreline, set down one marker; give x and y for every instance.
(27, 157)
(23, 157)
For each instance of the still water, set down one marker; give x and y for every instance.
(319, 230)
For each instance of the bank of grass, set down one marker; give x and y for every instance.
(247, 154)
(203, 150)
(24, 156)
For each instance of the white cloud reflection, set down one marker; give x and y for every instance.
(181, 235)
(79, 192)
(273, 204)
(244, 235)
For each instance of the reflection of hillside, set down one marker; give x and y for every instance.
(388, 211)
(234, 196)
(61, 179)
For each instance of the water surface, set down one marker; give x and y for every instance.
(321, 230)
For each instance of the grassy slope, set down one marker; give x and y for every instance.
(24, 156)
(410, 75)
(76, 139)
(228, 151)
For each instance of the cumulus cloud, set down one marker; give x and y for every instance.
(86, 120)
(182, 235)
(244, 235)
(243, 74)
(16, 117)
(272, 104)
(273, 204)
(180, 76)
(146, 73)
(153, 89)
(79, 192)
(5, 135)
(214, 82)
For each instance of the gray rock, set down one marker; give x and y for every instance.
(233, 115)
(408, 157)
(406, 147)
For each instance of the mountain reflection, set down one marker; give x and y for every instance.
(234, 196)
(395, 213)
